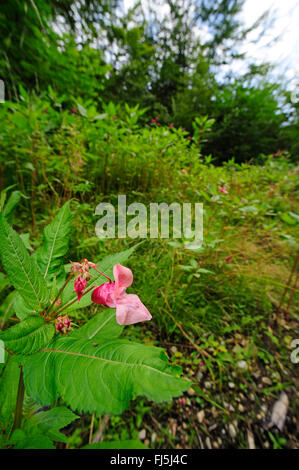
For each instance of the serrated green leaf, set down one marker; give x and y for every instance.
(106, 266)
(28, 336)
(21, 309)
(25, 239)
(129, 444)
(6, 309)
(3, 281)
(56, 235)
(20, 268)
(102, 378)
(102, 326)
(9, 381)
(48, 423)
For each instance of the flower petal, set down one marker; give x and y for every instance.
(130, 309)
(104, 294)
(123, 278)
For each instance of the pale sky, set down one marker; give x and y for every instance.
(279, 44)
(284, 51)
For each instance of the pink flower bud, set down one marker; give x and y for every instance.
(79, 286)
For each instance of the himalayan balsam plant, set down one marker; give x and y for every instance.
(54, 369)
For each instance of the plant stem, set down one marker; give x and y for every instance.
(73, 301)
(19, 403)
(101, 273)
(91, 428)
(60, 291)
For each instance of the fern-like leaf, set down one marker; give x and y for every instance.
(21, 269)
(28, 336)
(56, 235)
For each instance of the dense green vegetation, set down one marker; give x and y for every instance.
(106, 103)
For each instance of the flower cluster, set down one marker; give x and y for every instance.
(155, 120)
(63, 324)
(81, 273)
(73, 110)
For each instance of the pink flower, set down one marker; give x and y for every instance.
(228, 259)
(171, 125)
(184, 171)
(79, 286)
(222, 189)
(129, 308)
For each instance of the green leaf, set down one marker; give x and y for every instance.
(48, 423)
(21, 309)
(28, 336)
(6, 308)
(3, 281)
(56, 235)
(20, 440)
(294, 216)
(25, 239)
(8, 394)
(11, 204)
(106, 266)
(285, 217)
(102, 326)
(20, 268)
(100, 378)
(129, 444)
(81, 110)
